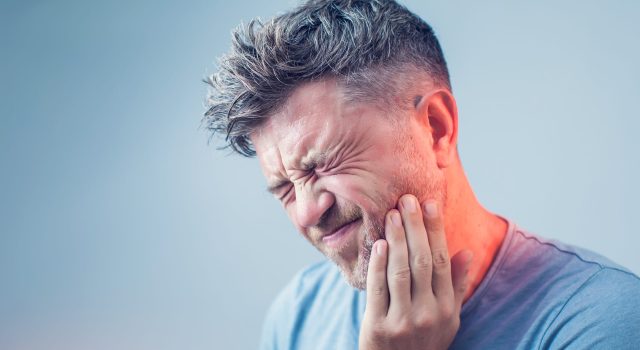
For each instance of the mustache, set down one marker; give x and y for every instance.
(336, 217)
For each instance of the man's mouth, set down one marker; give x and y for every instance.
(334, 238)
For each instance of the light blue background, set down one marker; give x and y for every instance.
(121, 229)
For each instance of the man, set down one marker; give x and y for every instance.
(348, 107)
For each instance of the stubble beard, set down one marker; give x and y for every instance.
(370, 230)
(418, 175)
(357, 278)
(432, 186)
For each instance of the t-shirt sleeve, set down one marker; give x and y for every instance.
(604, 313)
(279, 320)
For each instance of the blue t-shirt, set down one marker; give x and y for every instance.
(537, 294)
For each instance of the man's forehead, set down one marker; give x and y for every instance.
(304, 124)
(314, 101)
(296, 144)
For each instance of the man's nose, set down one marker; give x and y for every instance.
(311, 204)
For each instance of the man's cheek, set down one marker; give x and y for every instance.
(360, 196)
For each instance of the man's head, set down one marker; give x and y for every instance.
(347, 105)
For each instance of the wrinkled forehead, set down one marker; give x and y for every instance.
(311, 117)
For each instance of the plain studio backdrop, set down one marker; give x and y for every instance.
(121, 229)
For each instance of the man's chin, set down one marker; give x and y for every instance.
(354, 262)
(355, 276)
(359, 283)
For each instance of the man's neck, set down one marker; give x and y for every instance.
(470, 226)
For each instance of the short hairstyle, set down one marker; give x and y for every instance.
(365, 44)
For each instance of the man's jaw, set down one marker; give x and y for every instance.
(354, 270)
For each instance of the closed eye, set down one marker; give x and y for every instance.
(277, 187)
(285, 194)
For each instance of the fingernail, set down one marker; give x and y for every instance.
(409, 203)
(431, 208)
(395, 218)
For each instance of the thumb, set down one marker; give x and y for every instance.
(460, 264)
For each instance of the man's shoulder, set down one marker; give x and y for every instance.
(573, 269)
(316, 305)
(541, 293)
(532, 256)
(603, 310)
(596, 283)
(309, 281)
(567, 253)
(578, 295)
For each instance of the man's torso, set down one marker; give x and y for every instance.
(536, 294)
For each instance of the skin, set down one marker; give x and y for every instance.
(332, 161)
(414, 293)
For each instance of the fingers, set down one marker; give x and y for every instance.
(413, 265)
(377, 289)
(420, 260)
(441, 273)
(460, 264)
(398, 272)
(414, 292)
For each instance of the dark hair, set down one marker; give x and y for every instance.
(366, 45)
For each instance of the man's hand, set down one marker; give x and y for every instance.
(414, 292)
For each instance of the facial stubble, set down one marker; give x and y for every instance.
(417, 175)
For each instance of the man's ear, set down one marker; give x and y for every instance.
(438, 112)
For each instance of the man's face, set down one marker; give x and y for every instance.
(338, 167)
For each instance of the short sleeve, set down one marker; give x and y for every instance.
(604, 313)
(276, 328)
